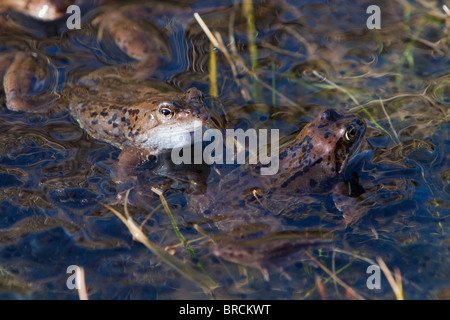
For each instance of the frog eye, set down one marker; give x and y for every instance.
(350, 134)
(166, 111)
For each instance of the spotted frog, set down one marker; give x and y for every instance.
(118, 105)
(248, 207)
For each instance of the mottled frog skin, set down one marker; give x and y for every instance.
(137, 114)
(143, 118)
(245, 203)
(140, 118)
(312, 163)
(118, 105)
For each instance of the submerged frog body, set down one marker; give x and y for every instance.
(245, 203)
(25, 82)
(312, 163)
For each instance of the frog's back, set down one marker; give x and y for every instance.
(107, 108)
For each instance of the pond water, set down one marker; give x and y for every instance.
(285, 61)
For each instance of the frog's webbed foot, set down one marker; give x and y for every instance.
(138, 38)
(26, 85)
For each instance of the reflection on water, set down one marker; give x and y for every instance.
(53, 175)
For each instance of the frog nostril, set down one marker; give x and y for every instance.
(194, 94)
(330, 115)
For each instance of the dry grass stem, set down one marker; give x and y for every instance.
(351, 254)
(206, 30)
(149, 216)
(236, 63)
(331, 83)
(201, 280)
(394, 281)
(389, 120)
(321, 288)
(81, 284)
(255, 194)
(310, 48)
(349, 289)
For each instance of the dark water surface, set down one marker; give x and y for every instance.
(53, 176)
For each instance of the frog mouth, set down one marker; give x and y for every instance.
(176, 136)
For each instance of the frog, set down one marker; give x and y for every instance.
(138, 118)
(44, 10)
(120, 105)
(247, 207)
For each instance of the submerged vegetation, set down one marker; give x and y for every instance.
(264, 64)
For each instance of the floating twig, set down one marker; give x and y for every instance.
(201, 280)
(349, 289)
(81, 284)
(394, 281)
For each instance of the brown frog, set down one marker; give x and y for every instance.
(118, 105)
(244, 204)
(140, 118)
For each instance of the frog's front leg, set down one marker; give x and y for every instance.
(129, 159)
(348, 197)
(25, 86)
